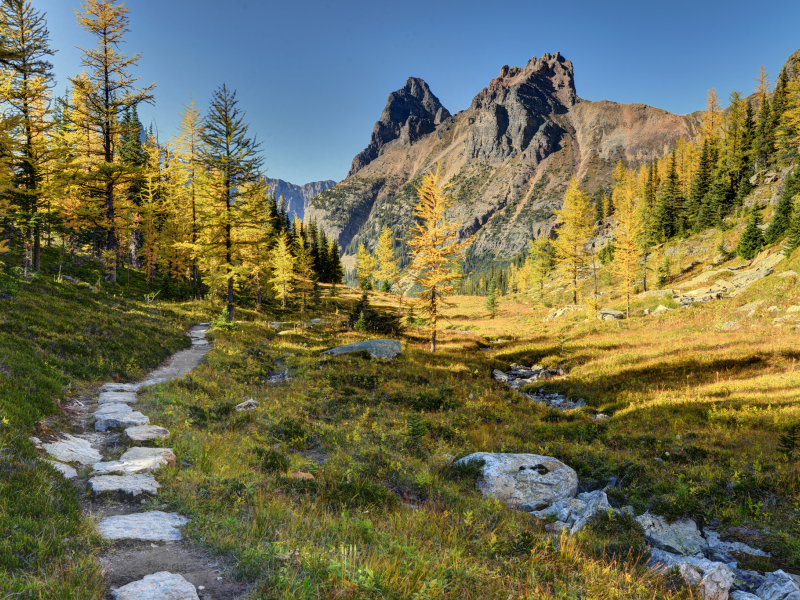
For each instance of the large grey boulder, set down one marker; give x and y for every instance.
(73, 449)
(125, 485)
(526, 481)
(779, 585)
(136, 460)
(609, 314)
(119, 414)
(146, 433)
(158, 586)
(376, 348)
(153, 526)
(682, 537)
(114, 397)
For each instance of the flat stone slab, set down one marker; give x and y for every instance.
(158, 586)
(116, 397)
(526, 481)
(145, 433)
(119, 387)
(118, 415)
(73, 449)
(153, 526)
(376, 348)
(130, 485)
(681, 537)
(65, 470)
(136, 460)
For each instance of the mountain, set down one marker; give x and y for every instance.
(508, 157)
(297, 196)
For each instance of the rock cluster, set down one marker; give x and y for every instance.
(573, 514)
(377, 348)
(520, 375)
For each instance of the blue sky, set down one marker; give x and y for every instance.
(313, 75)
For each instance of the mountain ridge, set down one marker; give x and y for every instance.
(297, 196)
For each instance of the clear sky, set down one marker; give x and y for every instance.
(313, 75)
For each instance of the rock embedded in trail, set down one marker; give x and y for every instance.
(136, 460)
(116, 397)
(73, 449)
(377, 348)
(526, 481)
(145, 433)
(153, 526)
(682, 537)
(65, 470)
(119, 387)
(158, 586)
(125, 485)
(121, 415)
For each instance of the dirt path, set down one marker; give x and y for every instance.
(148, 558)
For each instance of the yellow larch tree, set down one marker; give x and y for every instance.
(436, 250)
(712, 117)
(282, 270)
(575, 225)
(627, 245)
(388, 265)
(539, 263)
(762, 86)
(789, 128)
(366, 265)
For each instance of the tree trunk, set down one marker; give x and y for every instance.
(258, 293)
(433, 339)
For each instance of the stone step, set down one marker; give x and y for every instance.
(145, 433)
(136, 460)
(65, 470)
(115, 397)
(125, 485)
(118, 415)
(158, 586)
(119, 387)
(153, 526)
(72, 449)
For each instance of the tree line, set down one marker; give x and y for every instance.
(192, 211)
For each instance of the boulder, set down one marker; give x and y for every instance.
(750, 306)
(376, 348)
(716, 583)
(574, 513)
(713, 579)
(682, 537)
(153, 526)
(73, 449)
(730, 326)
(779, 586)
(247, 405)
(145, 433)
(793, 309)
(562, 311)
(661, 309)
(65, 470)
(739, 595)
(118, 415)
(527, 481)
(125, 485)
(500, 376)
(609, 314)
(158, 586)
(114, 397)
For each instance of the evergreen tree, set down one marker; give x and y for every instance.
(752, 240)
(788, 134)
(233, 158)
(700, 185)
(336, 269)
(782, 217)
(669, 206)
(599, 205)
(491, 300)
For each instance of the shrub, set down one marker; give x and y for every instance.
(617, 535)
(272, 461)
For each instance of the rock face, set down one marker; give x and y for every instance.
(527, 481)
(682, 537)
(158, 586)
(509, 156)
(150, 526)
(411, 112)
(376, 348)
(297, 196)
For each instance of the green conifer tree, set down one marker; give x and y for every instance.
(752, 240)
(491, 300)
(783, 216)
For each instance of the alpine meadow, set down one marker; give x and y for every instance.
(539, 348)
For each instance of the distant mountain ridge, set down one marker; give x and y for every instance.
(297, 196)
(508, 157)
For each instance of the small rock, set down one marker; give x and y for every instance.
(300, 475)
(377, 348)
(114, 397)
(739, 595)
(136, 460)
(690, 574)
(661, 309)
(716, 583)
(500, 376)
(155, 381)
(65, 470)
(130, 485)
(750, 306)
(119, 387)
(158, 586)
(527, 481)
(730, 326)
(609, 314)
(144, 433)
(150, 526)
(118, 415)
(276, 324)
(773, 309)
(247, 405)
(73, 449)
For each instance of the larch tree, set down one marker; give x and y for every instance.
(627, 245)
(436, 251)
(282, 270)
(575, 221)
(366, 266)
(107, 89)
(388, 265)
(540, 260)
(228, 152)
(712, 117)
(26, 95)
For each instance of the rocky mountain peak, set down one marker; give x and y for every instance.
(410, 113)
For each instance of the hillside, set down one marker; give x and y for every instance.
(509, 156)
(297, 196)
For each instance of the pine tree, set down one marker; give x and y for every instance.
(282, 269)
(540, 258)
(336, 273)
(435, 248)
(669, 207)
(700, 185)
(782, 217)
(752, 240)
(574, 232)
(27, 99)
(627, 248)
(491, 300)
(106, 91)
(232, 156)
(788, 133)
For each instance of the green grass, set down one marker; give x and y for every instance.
(56, 340)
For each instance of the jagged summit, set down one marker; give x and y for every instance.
(410, 112)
